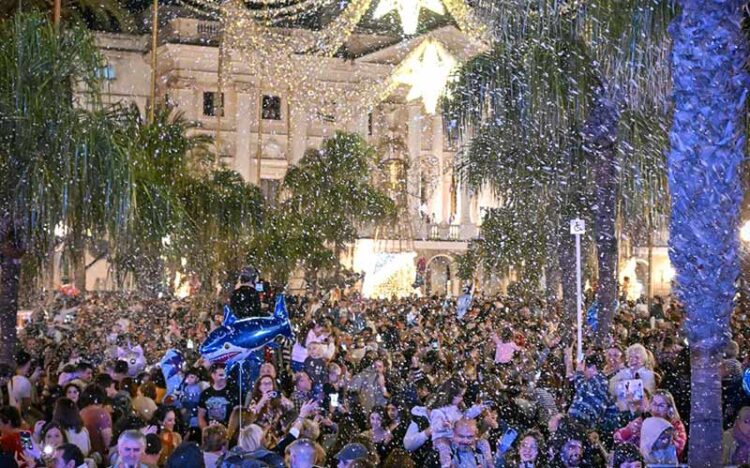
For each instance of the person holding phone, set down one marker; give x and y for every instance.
(15, 444)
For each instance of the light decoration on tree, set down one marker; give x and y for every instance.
(426, 71)
(408, 11)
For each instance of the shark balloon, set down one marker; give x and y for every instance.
(236, 340)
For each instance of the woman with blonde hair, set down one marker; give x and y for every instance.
(636, 358)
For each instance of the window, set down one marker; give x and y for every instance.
(213, 104)
(106, 72)
(271, 108)
(270, 190)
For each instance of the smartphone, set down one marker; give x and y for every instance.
(334, 399)
(434, 345)
(273, 394)
(259, 287)
(190, 344)
(343, 346)
(507, 440)
(26, 442)
(378, 338)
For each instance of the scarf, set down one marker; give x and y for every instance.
(742, 454)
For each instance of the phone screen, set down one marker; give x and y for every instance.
(259, 287)
(26, 440)
(334, 399)
(508, 438)
(190, 344)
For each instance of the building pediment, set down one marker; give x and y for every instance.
(458, 43)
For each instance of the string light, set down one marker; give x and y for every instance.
(408, 11)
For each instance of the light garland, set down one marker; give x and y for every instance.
(294, 61)
(408, 11)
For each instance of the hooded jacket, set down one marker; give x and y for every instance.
(651, 430)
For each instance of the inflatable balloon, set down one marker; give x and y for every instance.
(235, 340)
(133, 355)
(171, 368)
(463, 303)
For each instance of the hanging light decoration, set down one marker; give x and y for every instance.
(408, 11)
(426, 70)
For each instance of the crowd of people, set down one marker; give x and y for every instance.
(365, 383)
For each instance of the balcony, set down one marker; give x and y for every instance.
(451, 232)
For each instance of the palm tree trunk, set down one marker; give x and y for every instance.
(600, 142)
(567, 260)
(10, 275)
(707, 148)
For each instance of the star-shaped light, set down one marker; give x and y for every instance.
(426, 70)
(408, 11)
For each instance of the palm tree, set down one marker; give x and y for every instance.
(223, 214)
(330, 194)
(59, 163)
(708, 139)
(103, 13)
(561, 73)
(162, 156)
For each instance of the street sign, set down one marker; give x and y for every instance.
(577, 226)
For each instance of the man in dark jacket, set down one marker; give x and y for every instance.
(245, 300)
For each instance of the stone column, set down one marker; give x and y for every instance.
(298, 131)
(414, 144)
(437, 203)
(246, 111)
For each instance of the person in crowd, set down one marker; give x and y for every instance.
(350, 454)
(21, 387)
(592, 404)
(627, 456)
(505, 347)
(72, 392)
(145, 401)
(302, 453)
(96, 419)
(66, 413)
(130, 447)
(467, 450)
(370, 384)
(657, 441)
(186, 455)
(67, 456)
(217, 401)
(528, 455)
(215, 443)
(165, 418)
(152, 451)
(637, 358)
(245, 301)
(736, 440)
(302, 389)
(379, 433)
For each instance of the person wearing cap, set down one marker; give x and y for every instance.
(351, 453)
(245, 300)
